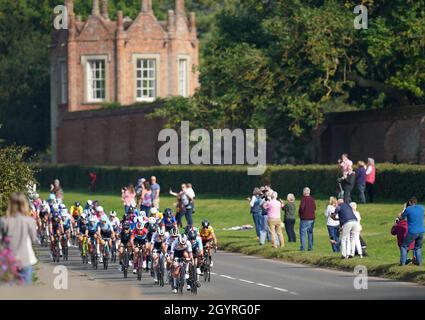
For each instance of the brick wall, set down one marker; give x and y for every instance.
(387, 135)
(109, 137)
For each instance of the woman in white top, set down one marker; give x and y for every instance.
(357, 243)
(333, 225)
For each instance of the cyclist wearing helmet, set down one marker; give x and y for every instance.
(138, 241)
(67, 224)
(76, 210)
(115, 222)
(106, 233)
(158, 244)
(197, 248)
(43, 215)
(124, 241)
(181, 248)
(93, 232)
(82, 227)
(208, 236)
(168, 221)
(56, 231)
(88, 206)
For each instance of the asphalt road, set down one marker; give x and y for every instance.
(242, 277)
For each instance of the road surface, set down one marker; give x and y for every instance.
(234, 277)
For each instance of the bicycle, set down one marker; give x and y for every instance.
(182, 273)
(193, 281)
(125, 261)
(106, 253)
(160, 268)
(114, 251)
(93, 253)
(139, 263)
(43, 234)
(206, 268)
(84, 250)
(65, 247)
(56, 249)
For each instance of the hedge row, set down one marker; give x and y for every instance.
(396, 182)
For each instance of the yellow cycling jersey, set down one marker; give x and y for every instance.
(76, 211)
(206, 233)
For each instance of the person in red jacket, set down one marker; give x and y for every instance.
(93, 178)
(400, 230)
(307, 212)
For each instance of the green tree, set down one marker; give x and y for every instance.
(280, 64)
(15, 173)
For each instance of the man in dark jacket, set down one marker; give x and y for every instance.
(361, 180)
(307, 212)
(348, 183)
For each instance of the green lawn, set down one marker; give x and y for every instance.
(377, 220)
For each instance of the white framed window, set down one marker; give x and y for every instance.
(183, 64)
(96, 80)
(146, 79)
(63, 75)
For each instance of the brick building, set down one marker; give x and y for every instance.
(99, 61)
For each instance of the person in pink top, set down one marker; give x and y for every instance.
(128, 196)
(345, 164)
(273, 208)
(370, 178)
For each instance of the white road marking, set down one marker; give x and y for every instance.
(280, 289)
(228, 277)
(263, 285)
(247, 281)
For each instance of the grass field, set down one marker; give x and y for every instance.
(377, 219)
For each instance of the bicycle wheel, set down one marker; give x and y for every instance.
(181, 279)
(65, 253)
(192, 277)
(125, 260)
(139, 266)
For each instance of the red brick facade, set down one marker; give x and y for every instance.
(99, 61)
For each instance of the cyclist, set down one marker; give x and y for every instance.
(99, 212)
(82, 227)
(93, 228)
(124, 241)
(138, 241)
(76, 210)
(197, 249)
(56, 231)
(88, 206)
(158, 244)
(43, 218)
(106, 233)
(152, 228)
(180, 249)
(115, 222)
(67, 225)
(168, 221)
(156, 213)
(208, 236)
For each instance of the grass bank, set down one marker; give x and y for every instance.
(225, 212)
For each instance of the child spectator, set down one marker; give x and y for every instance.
(400, 230)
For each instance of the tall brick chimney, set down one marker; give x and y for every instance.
(171, 22)
(69, 4)
(192, 21)
(95, 8)
(147, 6)
(180, 7)
(104, 9)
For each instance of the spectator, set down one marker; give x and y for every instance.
(20, 229)
(185, 205)
(357, 247)
(400, 229)
(139, 189)
(332, 225)
(56, 189)
(348, 182)
(415, 221)
(273, 207)
(348, 222)
(255, 202)
(93, 179)
(370, 178)
(345, 164)
(156, 189)
(191, 194)
(361, 180)
(289, 218)
(128, 196)
(146, 198)
(307, 212)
